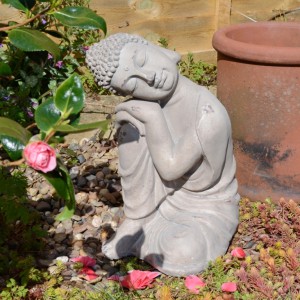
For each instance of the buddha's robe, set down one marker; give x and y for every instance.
(190, 220)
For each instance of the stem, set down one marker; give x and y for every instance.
(31, 126)
(13, 163)
(25, 22)
(45, 94)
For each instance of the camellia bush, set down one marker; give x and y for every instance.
(54, 118)
(42, 50)
(40, 83)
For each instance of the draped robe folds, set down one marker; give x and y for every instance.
(192, 219)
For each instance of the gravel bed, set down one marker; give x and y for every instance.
(92, 166)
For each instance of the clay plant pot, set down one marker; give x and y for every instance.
(259, 84)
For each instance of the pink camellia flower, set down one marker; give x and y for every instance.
(136, 279)
(229, 287)
(238, 252)
(40, 156)
(194, 283)
(85, 260)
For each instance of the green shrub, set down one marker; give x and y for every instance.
(32, 65)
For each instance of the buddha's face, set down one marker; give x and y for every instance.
(146, 72)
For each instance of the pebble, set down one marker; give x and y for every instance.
(81, 181)
(81, 158)
(90, 177)
(54, 270)
(59, 237)
(81, 197)
(61, 249)
(74, 171)
(43, 206)
(78, 237)
(79, 228)
(63, 259)
(32, 192)
(76, 218)
(97, 221)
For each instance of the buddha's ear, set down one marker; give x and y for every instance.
(174, 56)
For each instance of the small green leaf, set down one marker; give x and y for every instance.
(14, 130)
(82, 17)
(16, 4)
(47, 115)
(103, 125)
(33, 40)
(61, 181)
(12, 146)
(5, 69)
(69, 97)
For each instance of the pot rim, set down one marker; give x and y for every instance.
(224, 44)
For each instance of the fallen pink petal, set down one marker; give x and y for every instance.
(136, 279)
(238, 252)
(229, 287)
(193, 283)
(85, 260)
(88, 273)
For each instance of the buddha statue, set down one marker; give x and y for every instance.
(175, 158)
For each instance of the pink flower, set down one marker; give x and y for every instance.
(238, 252)
(49, 56)
(59, 64)
(229, 287)
(40, 156)
(85, 260)
(136, 279)
(88, 273)
(194, 283)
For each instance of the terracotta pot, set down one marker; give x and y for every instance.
(259, 84)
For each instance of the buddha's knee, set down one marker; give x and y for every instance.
(182, 244)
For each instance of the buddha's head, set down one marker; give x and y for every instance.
(130, 65)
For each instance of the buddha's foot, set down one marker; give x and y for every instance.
(122, 243)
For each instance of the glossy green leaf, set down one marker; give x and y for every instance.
(5, 69)
(82, 17)
(47, 115)
(61, 181)
(103, 125)
(14, 130)
(13, 137)
(12, 146)
(33, 40)
(69, 97)
(16, 4)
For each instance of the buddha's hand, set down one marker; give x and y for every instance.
(143, 111)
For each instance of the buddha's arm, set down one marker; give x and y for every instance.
(172, 159)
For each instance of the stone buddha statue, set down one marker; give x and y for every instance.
(175, 158)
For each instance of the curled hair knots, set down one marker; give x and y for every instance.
(103, 58)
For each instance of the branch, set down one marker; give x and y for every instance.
(25, 22)
(13, 163)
